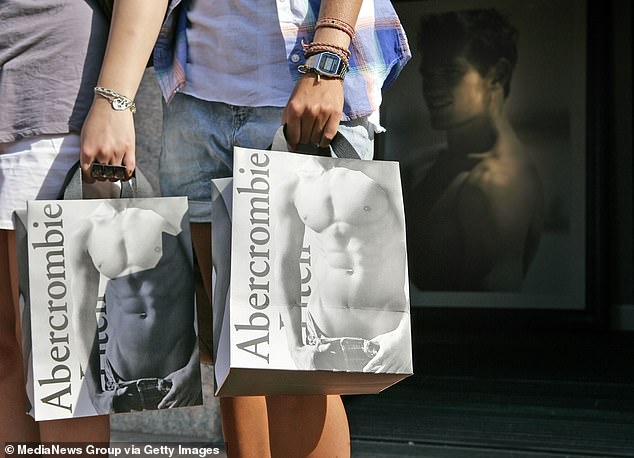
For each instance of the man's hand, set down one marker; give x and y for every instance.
(313, 111)
(391, 355)
(102, 401)
(186, 388)
(313, 357)
(108, 138)
(304, 357)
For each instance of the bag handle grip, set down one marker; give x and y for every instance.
(137, 186)
(341, 146)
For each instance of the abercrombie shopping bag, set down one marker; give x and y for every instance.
(108, 311)
(312, 295)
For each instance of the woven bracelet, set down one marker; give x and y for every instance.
(310, 49)
(335, 23)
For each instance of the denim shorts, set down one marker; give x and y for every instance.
(198, 141)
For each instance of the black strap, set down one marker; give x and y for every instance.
(343, 148)
(137, 186)
(340, 145)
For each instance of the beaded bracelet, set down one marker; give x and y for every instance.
(335, 23)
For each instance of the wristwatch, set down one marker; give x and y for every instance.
(327, 64)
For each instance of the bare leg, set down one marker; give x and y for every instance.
(244, 421)
(15, 424)
(85, 429)
(19, 426)
(308, 426)
(245, 427)
(201, 239)
(294, 425)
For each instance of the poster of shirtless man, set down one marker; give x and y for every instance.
(492, 147)
(113, 281)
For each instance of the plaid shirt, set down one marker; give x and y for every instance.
(379, 50)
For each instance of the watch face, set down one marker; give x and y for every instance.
(329, 63)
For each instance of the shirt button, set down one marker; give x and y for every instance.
(294, 58)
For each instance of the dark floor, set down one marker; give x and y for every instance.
(552, 395)
(498, 396)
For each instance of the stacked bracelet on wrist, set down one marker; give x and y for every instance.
(325, 60)
(117, 101)
(334, 23)
(312, 48)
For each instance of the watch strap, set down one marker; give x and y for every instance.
(322, 64)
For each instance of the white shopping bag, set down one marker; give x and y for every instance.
(311, 292)
(108, 313)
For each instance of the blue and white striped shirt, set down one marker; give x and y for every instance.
(379, 51)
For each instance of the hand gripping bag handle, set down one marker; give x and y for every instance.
(137, 186)
(343, 148)
(340, 145)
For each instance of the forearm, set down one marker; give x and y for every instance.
(107, 135)
(85, 326)
(84, 287)
(193, 358)
(293, 322)
(135, 27)
(346, 11)
(404, 324)
(289, 238)
(291, 300)
(314, 109)
(90, 359)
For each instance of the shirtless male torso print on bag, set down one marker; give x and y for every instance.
(358, 310)
(151, 352)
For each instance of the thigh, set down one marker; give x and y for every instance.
(198, 141)
(201, 239)
(245, 427)
(94, 429)
(258, 127)
(196, 147)
(318, 425)
(31, 168)
(15, 424)
(9, 309)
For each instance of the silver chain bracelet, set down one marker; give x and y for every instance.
(117, 101)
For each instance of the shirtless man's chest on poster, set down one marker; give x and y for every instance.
(147, 294)
(352, 229)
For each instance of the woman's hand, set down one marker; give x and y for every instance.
(107, 137)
